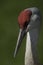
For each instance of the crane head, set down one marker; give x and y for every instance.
(26, 20)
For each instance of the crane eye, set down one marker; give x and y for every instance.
(25, 24)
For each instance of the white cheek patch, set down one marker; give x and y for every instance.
(28, 53)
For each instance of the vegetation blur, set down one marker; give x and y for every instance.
(9, 29)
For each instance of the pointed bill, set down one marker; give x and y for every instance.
(19, 41)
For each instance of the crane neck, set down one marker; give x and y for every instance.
(31, 44)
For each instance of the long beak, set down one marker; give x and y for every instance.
(19, 41)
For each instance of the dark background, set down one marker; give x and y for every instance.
(9, 29)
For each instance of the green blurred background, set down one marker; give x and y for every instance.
(9, 29)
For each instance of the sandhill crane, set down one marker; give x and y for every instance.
(29, 22)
